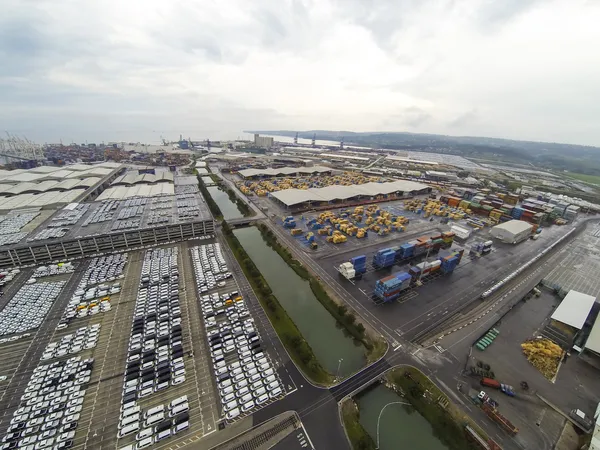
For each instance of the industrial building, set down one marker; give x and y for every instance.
(50, 187)
(263, 141)
(284, 171)
(326, 196)
(574, 309)
(512, 232)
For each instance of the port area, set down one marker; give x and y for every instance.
(409, 323)
(419, 307)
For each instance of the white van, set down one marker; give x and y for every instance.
(178, 401)
(246, 398)
(163, 435)
(129, 420)
(232, 414)
(181, 426)
(130, 411)
(275, 393)
(263, 398)
(231, 405)
(153, 411)
(151, 420)
(273, 385)
(227, 390)
(260, 392)
(131, 428)
(146, 442)
(270, 379)
(181, 408)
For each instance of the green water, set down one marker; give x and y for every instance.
(400, 426)
(228, 208)
(319, 328)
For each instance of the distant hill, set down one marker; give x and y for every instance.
(556, 156)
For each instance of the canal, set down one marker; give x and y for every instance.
(400, 426)
(228, 208)
(329, 343)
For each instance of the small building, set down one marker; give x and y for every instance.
(574, 310)
(512, 232)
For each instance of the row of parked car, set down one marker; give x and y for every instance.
(51, 406)
(85, 338)
(155, 358)
(103, 213)
(245, 376)
(214, 268)
(28, 307)
(160, 422)
(103, 269)
(53, 270)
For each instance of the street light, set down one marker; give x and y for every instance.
(379, 418)
(337, 373)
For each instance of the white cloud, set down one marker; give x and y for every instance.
(108, 69)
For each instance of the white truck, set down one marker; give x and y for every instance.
(347, 270)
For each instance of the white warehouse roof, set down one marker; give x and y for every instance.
(514, 226)
(593, 340)
(283, 171)
(294, 196)
(137, 190)
(574, 309)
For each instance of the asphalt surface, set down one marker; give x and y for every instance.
(22, 356)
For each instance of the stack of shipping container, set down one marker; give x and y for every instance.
(359, 263)
(389, 288)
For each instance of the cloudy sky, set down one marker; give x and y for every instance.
(141, 69)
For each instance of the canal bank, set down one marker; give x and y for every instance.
(222, 201)
(289, 334)
(345, 317)
(335, 349)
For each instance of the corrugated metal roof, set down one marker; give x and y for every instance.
(574, 309)
(137, 190)
(283, 171)
(38, 200)
(294, 196)
(593, 340)
(514, 226)
(24, 176)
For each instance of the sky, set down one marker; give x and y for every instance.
(141, 70)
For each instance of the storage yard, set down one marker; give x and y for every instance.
(89, 354)
(148, 333)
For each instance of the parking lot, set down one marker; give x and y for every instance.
(103, 341)
(580, 265)
(244, 373)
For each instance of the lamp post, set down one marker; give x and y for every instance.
(380, 414)
(337, 373)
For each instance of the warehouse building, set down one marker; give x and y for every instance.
(249, 174)
(574, 309)
(301, 199)
(512, 232)
(50, 187)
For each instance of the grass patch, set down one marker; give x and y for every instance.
(375, 348)
(593, 179)
(299, 350)
(214, 208)
(360, 439)
(448, 421)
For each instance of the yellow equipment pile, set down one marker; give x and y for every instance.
(544, 354)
